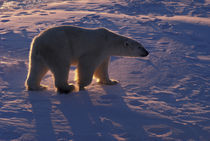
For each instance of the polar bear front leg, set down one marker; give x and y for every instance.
(85, 70)
(84, 75)
(101, 73)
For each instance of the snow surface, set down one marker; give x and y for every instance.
(162, 97)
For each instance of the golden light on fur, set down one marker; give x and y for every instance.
(76, 75)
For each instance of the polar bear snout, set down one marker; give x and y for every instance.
(143, 52)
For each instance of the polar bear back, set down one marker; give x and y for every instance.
(71, 41)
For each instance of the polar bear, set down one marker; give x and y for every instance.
(57, 48)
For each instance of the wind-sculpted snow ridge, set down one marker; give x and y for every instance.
(162, 97)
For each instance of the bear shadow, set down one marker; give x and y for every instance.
(86, 119)
(41, 106)
(101, 118)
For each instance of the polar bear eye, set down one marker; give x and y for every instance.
(126, 44)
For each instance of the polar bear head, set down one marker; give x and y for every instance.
(132, 48)
(122, 46)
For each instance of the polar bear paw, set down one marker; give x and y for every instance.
(109, 82)
(38, 88)
(66, 89)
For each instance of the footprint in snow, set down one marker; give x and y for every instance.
(4, 21)
(52, 12)
(6, 16)
(107, 99)
(43, 22)
(43, 14)
(35, 11)
(158, 130)
(135, 103)
(22, 13)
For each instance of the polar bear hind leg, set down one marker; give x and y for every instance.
(37, 69)
(101, 73)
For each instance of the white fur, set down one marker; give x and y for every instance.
(57, 48)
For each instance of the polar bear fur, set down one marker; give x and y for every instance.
(57, 48)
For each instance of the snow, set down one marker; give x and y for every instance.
(164, 96)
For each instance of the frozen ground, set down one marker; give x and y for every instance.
(162, 97)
